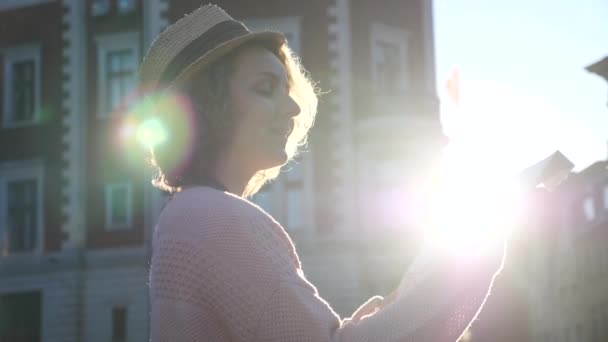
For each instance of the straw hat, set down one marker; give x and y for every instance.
(192, 43)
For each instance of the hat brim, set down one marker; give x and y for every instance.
(221, 50)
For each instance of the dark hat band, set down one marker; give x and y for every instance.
(218, 34)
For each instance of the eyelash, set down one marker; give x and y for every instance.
(267, 89)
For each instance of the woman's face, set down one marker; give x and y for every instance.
(263, 109)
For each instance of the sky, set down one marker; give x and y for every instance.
(524, 89)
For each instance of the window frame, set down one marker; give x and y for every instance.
(108, 189)
(105, 45)
(588, 199)
(12, 56)
(605, 197)
(96, 12)
(14, 171)
(290, 25)
(380, 32)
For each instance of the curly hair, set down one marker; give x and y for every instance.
(208, 94)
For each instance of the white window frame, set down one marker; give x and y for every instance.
(106, 44)
(277, 191)
(11, 56)
(380, 32)
(20, 170)
(288, 25)
(605, 196)
(108, 189)
(588, 207)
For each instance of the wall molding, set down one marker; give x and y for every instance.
(340, 44)
(74, 123)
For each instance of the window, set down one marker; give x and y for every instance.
(289, 26)
(595, 324)
(120, 67)
(294, 213)
(285, 198)
(126, 6)
(264, 199)
(119, 208)
(605, 197)
(589, 208)
(603, 261)
(117, 57)
(21, 86)
(21, 205)
(21, 208)
(295, 208)
(119, 324)
(388, 47)
(603, 318)
(21, 316)
(387, 66)
(100, 7)
(580, 333)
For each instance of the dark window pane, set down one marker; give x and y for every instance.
(119, 199)
(20, 317)
(125, 6)
(264, 199)
(119, 324)
(22, 215)
(295, 209)
(23, 91)
(295, 171)
(120, 68)
(100, 7)
(388, 67)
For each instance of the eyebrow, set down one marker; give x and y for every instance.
(271, 75)
(275, 77)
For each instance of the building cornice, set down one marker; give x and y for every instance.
(16, 4)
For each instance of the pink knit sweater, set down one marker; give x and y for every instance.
(224, 270)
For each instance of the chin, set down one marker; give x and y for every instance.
(281, 159)
(278, 158)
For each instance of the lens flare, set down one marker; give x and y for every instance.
(127, 129)
(151, 133)
(163, 122)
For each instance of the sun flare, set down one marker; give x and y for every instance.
(471, 206)
(495, 132)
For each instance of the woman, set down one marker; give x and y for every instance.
(223, 269)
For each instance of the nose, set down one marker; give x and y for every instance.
(290, 106)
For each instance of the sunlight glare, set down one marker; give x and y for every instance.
(471, 207)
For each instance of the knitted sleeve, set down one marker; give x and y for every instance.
(437, 300)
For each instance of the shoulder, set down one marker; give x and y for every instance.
(202, 210)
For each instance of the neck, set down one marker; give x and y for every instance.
(232, 175)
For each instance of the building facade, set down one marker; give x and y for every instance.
(600, 68)
(76, 206)
(567, 268)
